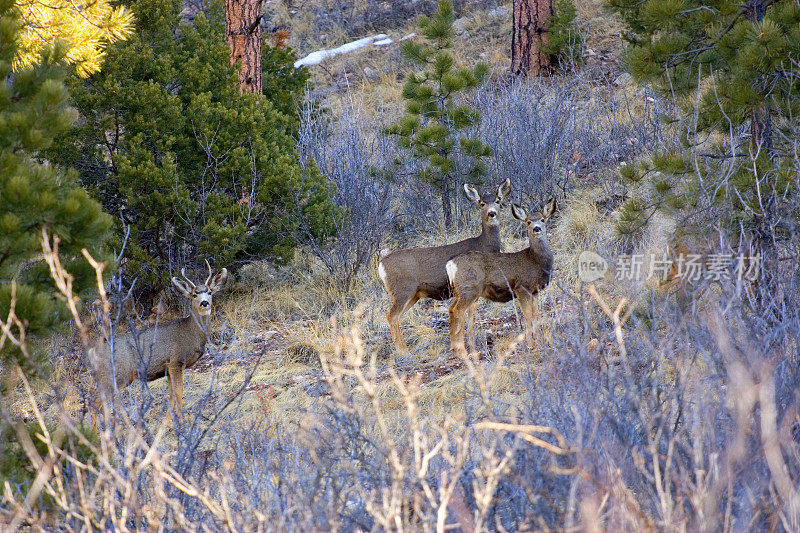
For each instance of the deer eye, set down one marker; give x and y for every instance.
(482, 204)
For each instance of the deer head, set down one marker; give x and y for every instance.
(489, 203)
(537, 225)
(201, 295)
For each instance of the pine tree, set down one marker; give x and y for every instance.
(35, 194)
(732, 67)
(84, 27)
(192, 166)
(435, 113)
(565, 39)
(746, 49)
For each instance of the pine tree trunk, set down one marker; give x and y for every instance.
(761, 139)
(529, 33)
(761, 122)
(761, 130)
(446, 207)
(243, 33)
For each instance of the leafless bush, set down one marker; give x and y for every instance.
(544, 137)
(545, 134)
(348, 151)
(357, 17)
(683, 415)
(675, 412)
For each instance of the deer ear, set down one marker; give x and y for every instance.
(218, 280)
(183, 286)
(549, 208)
(519, 212)
(472, 193)
(504, 190)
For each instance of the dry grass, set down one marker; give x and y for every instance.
(375, 73)
(279, 322)
(603, 27)
(313, 386)
(295, 365)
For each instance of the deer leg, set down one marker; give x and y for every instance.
(94, 414)
(176, 387)
(530, 310)
(103, 399)
(397, 310)
(471, 326)
(394, 328)
(458, 312)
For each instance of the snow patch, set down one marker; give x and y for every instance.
(383, 42)
(409, 36)
(315, 58)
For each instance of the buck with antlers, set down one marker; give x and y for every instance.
(167, 348)
(501, 277)
(414, 273)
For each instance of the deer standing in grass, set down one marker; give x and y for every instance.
(501, 277)
(414, 273)
(167, 348)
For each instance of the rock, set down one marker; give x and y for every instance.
(264, 337)
(317, 389)
(371, 73)
(623, 80)
(460, 25)
(500, 13)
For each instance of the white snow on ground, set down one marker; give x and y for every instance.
(383, 42)
(409, 36)
(315, 58)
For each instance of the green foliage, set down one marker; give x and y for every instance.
(436, 112)
(15, 464)
(565, 40)
(740, 58)
(732, 67)
(193, 167)
(282, 84)
(35, 194)
(632, 216)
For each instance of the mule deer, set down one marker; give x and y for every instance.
(501, 277)
(166, 348)
(414, 273)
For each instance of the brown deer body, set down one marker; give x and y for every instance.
(164, 349)
(501, 277)
(414, 273)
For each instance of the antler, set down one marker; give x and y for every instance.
(186, 278)
(210, 273)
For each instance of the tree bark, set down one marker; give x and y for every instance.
(761, 130)
(761, 122)
(243, 33)
(529, 33)
(446, 204)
